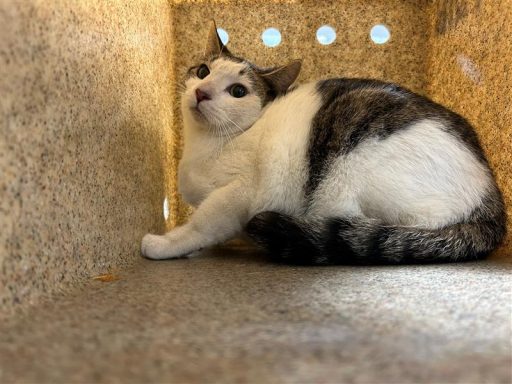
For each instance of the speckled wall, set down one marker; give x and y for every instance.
(85, 138)
(470, 70)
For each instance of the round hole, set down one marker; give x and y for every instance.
(326, 35)
(271, 37)
(224, 37)
(166, 209)
(380, 34)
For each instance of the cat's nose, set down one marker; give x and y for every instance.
(201, 95)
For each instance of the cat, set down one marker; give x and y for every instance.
(329, 172)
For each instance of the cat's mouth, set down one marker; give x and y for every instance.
(198, 114)
(202, 112)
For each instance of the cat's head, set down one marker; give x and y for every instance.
(226, 94)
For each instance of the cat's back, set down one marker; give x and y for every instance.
(353, 110)
(331, 117)
(406, 158)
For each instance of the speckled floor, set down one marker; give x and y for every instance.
(230, 316)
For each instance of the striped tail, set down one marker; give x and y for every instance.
(367, 241)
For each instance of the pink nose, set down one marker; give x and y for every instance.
(200, 96)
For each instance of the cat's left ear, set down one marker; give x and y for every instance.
(214, 46)
(281, 78)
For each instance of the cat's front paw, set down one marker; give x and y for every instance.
(156, 247)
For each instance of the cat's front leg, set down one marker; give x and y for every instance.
(220, 217)
(158, 246)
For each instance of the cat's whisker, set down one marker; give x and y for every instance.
(240, 129)
(220, 146)
(232, 122)
(225, 133)
(230, 137)
(218, 122)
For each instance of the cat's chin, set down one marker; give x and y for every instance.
(200, 118)
(198, 115)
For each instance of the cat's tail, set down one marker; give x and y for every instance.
(367, 241)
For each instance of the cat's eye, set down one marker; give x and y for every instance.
(202, 71)
(237, 90)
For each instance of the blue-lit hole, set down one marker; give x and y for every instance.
(224, 37)
(326, 35)
(380, 34)
(271, 37)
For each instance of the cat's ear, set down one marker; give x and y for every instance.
(214, 46)
(281, 78)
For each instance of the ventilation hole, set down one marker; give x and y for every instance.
(380, 34)
(326, 35)
(271, 37)
(166, 209)
(224, 37)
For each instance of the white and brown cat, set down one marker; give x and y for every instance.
(332, 171)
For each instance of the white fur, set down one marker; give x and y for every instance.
(420, 176)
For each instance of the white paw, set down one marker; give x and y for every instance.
(156, 247)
